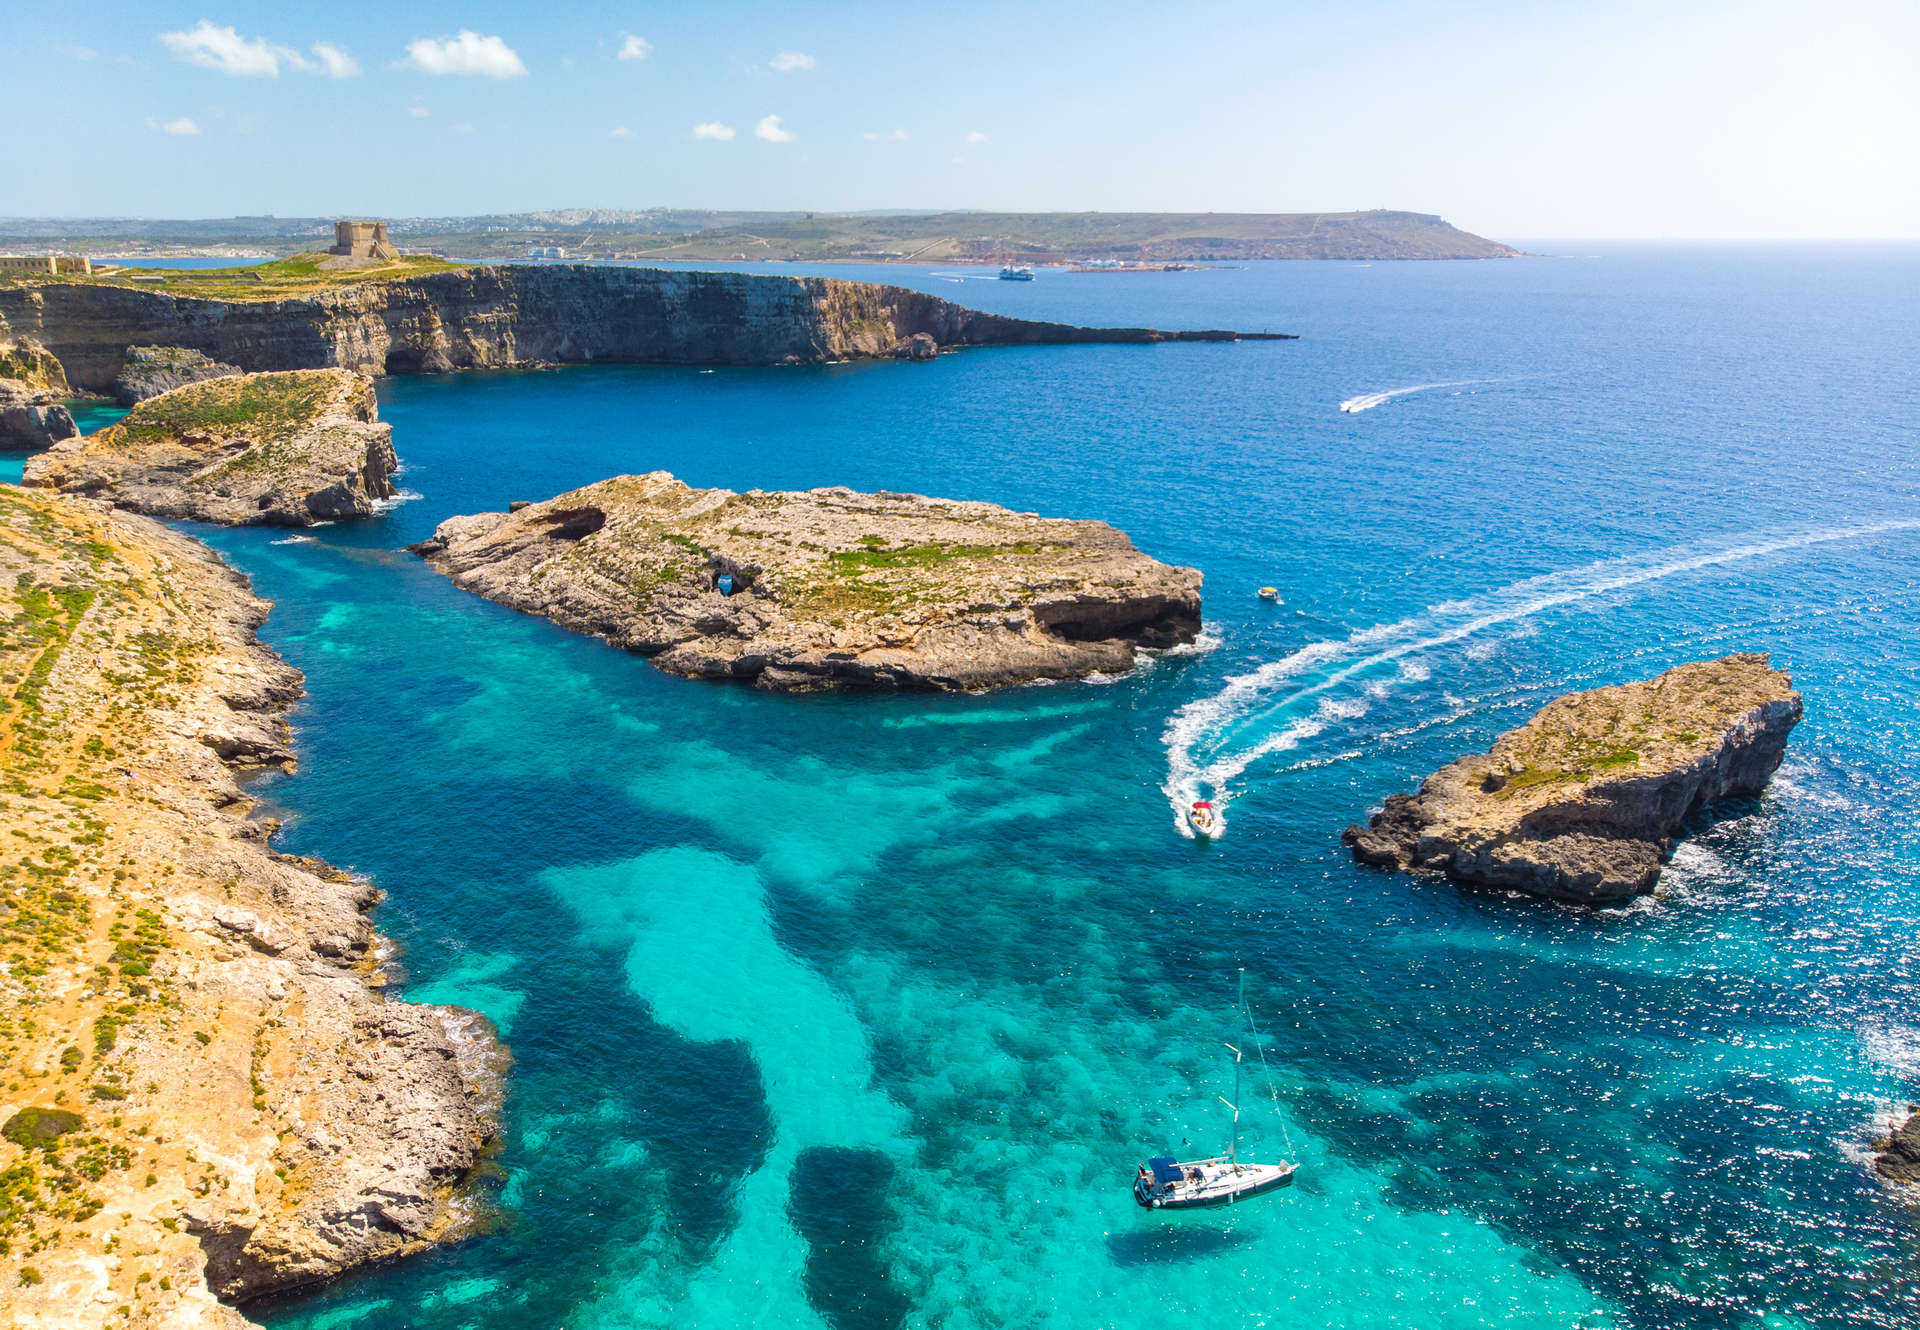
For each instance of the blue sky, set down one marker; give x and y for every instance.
(1519, 121)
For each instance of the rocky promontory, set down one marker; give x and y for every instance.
(829, 588)
(209, 1097)
(281, 449)
(152, 370)
(1583, 801)
(290, 316)
(31, 416)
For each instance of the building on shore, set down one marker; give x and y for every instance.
(362, 240)
(53, 265)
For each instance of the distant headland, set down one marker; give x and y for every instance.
(672, 235)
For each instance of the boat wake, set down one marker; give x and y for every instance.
(1367, 401)
(1212, 741)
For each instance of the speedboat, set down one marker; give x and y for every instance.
(1165, 1183)
(1202, 819)
(1271, 593)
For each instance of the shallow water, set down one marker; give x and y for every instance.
(844, 1013)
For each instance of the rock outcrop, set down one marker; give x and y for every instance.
(831, 588)
(1897, 1155)
(32, 417)
(152, 370)
(490, 317)
(224, 1103)
(1582, 802)
(281, 449)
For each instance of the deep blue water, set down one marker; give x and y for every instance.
(860, 1012)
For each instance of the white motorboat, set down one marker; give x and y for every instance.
(1204, 821)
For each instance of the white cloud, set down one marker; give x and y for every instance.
(791, 62)
(713, 129)
(463, 127)
(84, 53)
(874, 136)
(769, 129)
(466, 53)
(634, 48)
(975, 136)
(181, 126)
(334, 62)
(418, 112)
(898, 136)
(620, 132)
(225, 51)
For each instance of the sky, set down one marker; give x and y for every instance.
(1622, 119)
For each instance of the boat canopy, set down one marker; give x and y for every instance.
(1165, 1170)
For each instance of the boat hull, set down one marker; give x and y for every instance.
(1212, 1198)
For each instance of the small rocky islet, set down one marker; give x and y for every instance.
(1583, 801)
(825, 588)
(281, 449)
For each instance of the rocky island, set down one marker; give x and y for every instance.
(1582, 802)
(1897, 1154)
(281, 449)
(208, 1096)
(422, 315)
(825, 588)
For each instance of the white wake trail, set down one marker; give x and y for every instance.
(1367, 401)
(1203, 757)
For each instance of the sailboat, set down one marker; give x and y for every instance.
(1166, 1183)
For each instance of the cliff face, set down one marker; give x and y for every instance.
(831, 589)
(1581, 803)
(32, 417)
(484, 317)
(281, 449)
(208, 1094)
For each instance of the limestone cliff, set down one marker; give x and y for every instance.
(152, 370)
(1582, 802)
(831, 588)
(281, 449)
(206, 1093)
(481, 317)
(31, 416)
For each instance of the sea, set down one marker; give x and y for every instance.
(852, 1013)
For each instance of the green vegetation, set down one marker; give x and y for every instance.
(39, 1128)
(260, 403)
(285, 279)
(873, 555)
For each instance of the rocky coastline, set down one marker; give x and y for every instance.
(1583, 801)
(829, 588)
(211, 1097)
(1897, 1154)
(489, 317)
(286, 449)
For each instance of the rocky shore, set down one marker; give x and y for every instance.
(505, 315)
(280, 449)
(32, 417)
(1583, 801)
(209, 1097)
(830, 588)
(1897, 1154)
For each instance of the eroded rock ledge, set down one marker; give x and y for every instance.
(281, 449)
(1582, 802)
(832, 588)
(210, 1098)
(1897, 1155)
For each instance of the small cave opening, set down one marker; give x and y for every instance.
(573, 523)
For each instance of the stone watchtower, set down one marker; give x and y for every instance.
(362, 240)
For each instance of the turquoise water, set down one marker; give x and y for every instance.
(835, 1012)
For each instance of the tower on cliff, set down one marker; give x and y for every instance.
(362, 240)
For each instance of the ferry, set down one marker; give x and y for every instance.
(1016, 273)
